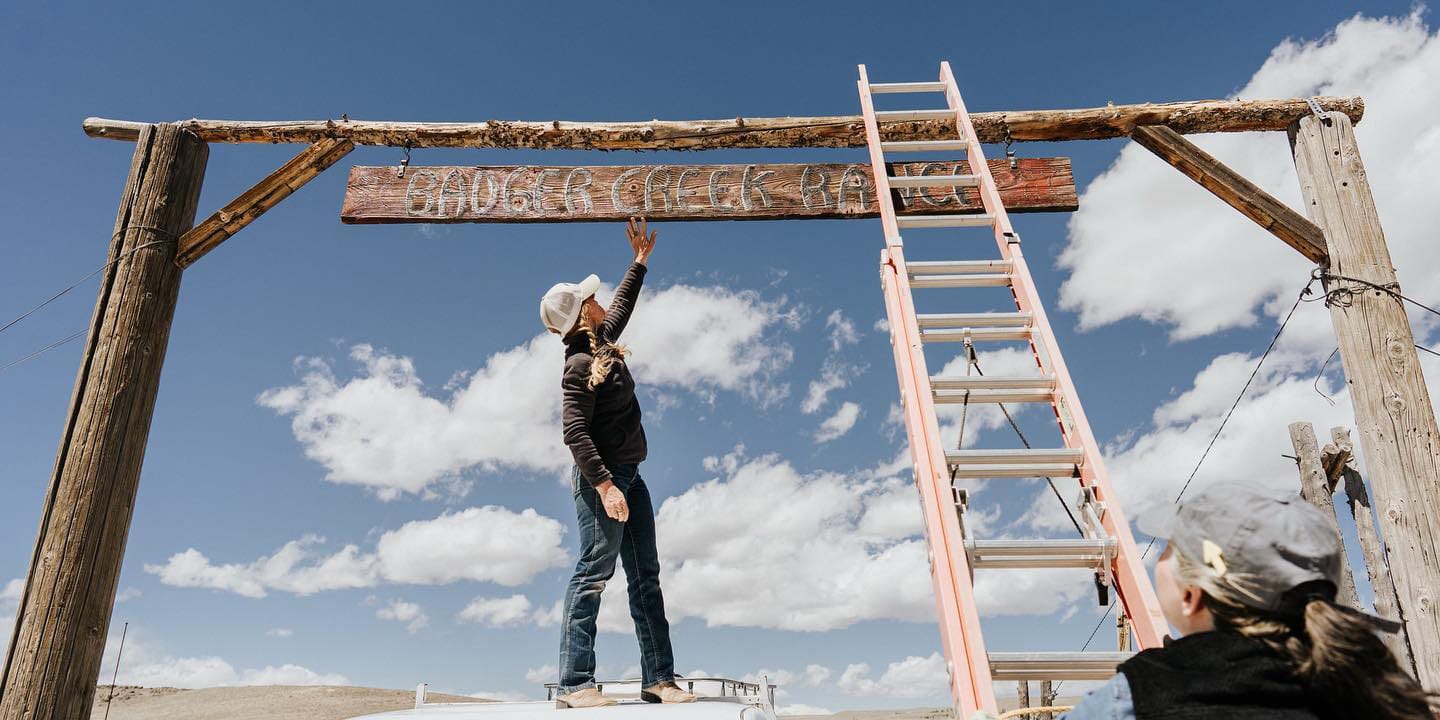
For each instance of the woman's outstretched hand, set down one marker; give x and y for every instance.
(641, 242)
(614, 501)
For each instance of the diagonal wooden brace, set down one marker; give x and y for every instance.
(266, 194)
(1291, 227)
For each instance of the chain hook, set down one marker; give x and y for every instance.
(1009, 141)
(404, 162)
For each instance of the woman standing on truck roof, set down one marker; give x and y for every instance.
(601, 419)
(1248, 580)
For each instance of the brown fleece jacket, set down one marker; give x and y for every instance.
(602, 426)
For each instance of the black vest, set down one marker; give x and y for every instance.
(1217, 674)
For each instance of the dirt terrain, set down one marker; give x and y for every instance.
(272, 702)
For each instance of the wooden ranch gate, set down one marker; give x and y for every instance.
(54, 655)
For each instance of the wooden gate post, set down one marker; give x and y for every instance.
(1393, 414)
(64, 614)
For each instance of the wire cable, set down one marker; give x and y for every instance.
(43, 350)
(1304, 293)
(89, 275)
(72, 286)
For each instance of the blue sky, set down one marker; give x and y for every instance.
(402, 343)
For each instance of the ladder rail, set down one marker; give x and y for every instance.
(967, 661)
(877, 162)
(1135, 590)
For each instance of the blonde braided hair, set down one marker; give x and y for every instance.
(603, 356)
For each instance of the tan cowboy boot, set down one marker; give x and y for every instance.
(586, 698)
(666, 692)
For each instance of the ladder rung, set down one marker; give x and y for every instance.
(925, 146)
(907, 87)
(1027, 554)
(933, 181)
(1013, 666)
(967, 280)
(976, 334)
(992, 382)
(1031, 470)
(939, 221)
(980, 397)
(1015, 456)
(974, 320)
(947, 267)
(904, 115)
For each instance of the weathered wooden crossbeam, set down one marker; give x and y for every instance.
(1110, 121)
(544, 193)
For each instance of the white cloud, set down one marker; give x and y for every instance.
(489, 543)
(788, 552)
(909, 678)
(484, 544)
(838, 424)
(842, 330)
(1151, 469)
(548, 616)
(128, 594)
(802, 709)
(409, 613)
(542, 674)
(146, 665)
(1150, 243)
(808, 551)
(816, 675)
(10, 595)
(283, 633)
(383, 430)
(834, 375)
(500, 612)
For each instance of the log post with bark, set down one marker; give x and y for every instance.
(64, 613)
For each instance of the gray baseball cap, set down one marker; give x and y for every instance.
(1259, 544)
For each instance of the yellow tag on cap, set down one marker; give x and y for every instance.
(1214, 556)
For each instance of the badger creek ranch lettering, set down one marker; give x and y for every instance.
(540, 193)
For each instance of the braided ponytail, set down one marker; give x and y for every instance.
(603, 356)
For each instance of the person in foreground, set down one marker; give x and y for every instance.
(1248, 581)
(601, 420)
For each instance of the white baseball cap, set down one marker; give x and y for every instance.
(560, 307)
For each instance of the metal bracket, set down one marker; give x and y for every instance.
(1092, 514)
(1012, 238)
(1315, 108)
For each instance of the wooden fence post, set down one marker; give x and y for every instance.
(1047, 699)
(1398, 429)
(1376, 564)
(64, 614)
(1315, 488)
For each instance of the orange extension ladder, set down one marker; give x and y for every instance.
(1107, 546)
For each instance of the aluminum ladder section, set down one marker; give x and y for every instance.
(1108, 547)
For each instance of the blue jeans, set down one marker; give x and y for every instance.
(602, 540)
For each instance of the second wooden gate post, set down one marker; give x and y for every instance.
(1396, 421)
(64, 614)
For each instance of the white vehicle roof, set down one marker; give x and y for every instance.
(725, 700)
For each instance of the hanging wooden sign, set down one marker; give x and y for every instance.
(546, 193)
